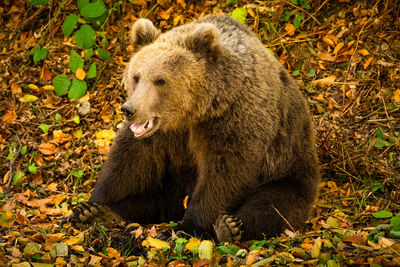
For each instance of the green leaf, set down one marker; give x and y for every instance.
(38, 2)
(379, 133)
(89, 53)
(103, 54)
(231, 2)
(383, 214)
(98, 20)
(76, 119)
(92, 71)
(311, 73)
(75, 61)
(294, 2)
(78, 89)
(82, 3)
(17, 177)
(395, 222)
(240, 14)
(39, 53)
(94, 9)
(296, 23)
(85, 37)
(57, 117)
(28, 98)
(306, 6)
(295, 73)
(32, 168)
(23, 149)
(61, 84)
(44, 127)
(69, 24)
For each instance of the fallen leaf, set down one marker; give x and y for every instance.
(10, 116)
(155, 243)
(164, 14)
(60, 137)
(324, 82)
(252, 257)
(48, 88)
(78, 248)
(201, 263)
(396, 96)
(45, 73)
(52, 186)
(206, 250)
(113, 253)
(95, 260)
(47, 148)
(338, 47)
(80, 74)
(75, 240)
(15, 88)
(315, 251)
(290, 29)
(28, 99)
(33, 87)
(193, 242)
(356, 239)
(153, 231)
(363, 52)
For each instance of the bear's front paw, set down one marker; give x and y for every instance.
(228, 228)
(88, 213)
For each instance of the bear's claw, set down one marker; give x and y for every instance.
(228, 228)
(87, 213)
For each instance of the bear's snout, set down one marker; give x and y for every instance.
(128, 110)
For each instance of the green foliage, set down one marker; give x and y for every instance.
(295, 73)
(381, 142)
(57, 117)
(85, 37)
(17, 177)
(61, 84)
(103, 54)
(69, 24)
(38, 2)
(231, 2)
(78, 89)
(44, 127)
(92, 9)
(92, 71)
(239, 14)
(75, 61)
(39, 53)
(383, 214)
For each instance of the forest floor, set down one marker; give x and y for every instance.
(344, 54)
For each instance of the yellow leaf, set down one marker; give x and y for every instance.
(80, 74)
(206, 250)
(315, 251)
(48, 87)
(324, 82)
(320, 108)
(164, 14)
(397, 96)
(28, 98)
(368, 62)
(33, 87)
(78, 133)
(185, 200)
(78, 248)
(106, 134)
(193, 242)
(155, 243)
(74, 240)
(290, 29)
(112, 252)
(176, 20)
(363, 52)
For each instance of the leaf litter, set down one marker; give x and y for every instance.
(345, 56)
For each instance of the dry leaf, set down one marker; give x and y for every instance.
(80, 74)
(338, 47)
(95, 260)
(396, 96)
(45, 73)
(193, 242)
(113, 253)
(363, 52)
(47, 148)
(290, 29)
(155, 243)
(52, 186)
(15, 88)
(164, 14)
(368, 62)
(324, 82)
(60, 137)
(78, 248)
(33, 87)
(10, 117)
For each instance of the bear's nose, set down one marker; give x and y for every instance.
(128, 110)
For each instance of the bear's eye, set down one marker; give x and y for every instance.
(136, 79)
(159, 82)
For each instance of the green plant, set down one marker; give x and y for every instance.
(39, 53)
(92, 15)
(297, 16)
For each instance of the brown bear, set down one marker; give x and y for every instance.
(213, 115)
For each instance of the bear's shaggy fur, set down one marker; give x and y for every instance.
(213, 115)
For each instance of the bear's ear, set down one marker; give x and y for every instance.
(143, 33)
(204, 39)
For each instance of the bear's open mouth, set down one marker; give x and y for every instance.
(139, 129)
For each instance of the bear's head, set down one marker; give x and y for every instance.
(166, 76)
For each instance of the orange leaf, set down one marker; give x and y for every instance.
(324, 82)
(45, 74)
(290, 29)
(60, 137)
(10, 116)
(112, 252)
(330, 40)
(47, 148)
(397, 96)
(164, 14)
(95, 260)
(80, 74)
(15, 88)
(363, 52)
(185, 200)
(153, 231)
(78, 248)
(52, 186)
(368, 62)
(338, 47)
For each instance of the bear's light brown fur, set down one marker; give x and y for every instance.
(213, 115)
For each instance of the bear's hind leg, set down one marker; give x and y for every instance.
(273, 208)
